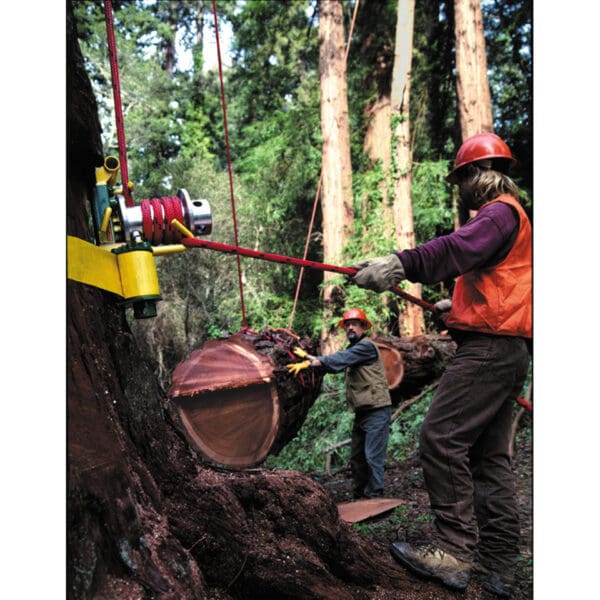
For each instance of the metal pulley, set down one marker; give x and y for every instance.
(152, 218)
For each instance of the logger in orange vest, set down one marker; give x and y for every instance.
(464, 440)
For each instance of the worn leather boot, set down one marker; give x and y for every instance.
(433, 562)
(500, 584)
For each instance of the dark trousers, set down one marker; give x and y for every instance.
(370, 434)
(464, 445)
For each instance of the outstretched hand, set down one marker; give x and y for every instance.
(295, 368)
(379, 274)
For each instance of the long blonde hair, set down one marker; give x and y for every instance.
(487, 184)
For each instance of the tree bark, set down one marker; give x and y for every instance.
(472, 87)
(336, 193)
(412, 321)
(424, 358)
(378, 147)
(169, 44)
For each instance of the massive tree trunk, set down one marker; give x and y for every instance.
(336, 194)
(237, 401)
(411, 320)
(378, 147)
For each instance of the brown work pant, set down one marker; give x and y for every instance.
(464, 445)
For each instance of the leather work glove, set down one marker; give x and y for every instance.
(443, 305)
(379, 274)
(299, 352)
(442, 310)
(295, 368)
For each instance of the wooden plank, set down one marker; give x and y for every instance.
(360, 510)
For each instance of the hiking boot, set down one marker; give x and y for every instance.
(430, 561)
(498, 584)
(493, 581)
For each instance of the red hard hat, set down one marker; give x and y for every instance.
(480, 146)
(355, 313)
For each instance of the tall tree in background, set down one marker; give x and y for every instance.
(413, 322)
(472, 86)
(377, 49)
(336, 196)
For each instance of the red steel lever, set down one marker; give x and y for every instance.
(299, 262)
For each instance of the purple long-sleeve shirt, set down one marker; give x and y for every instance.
(483, 241)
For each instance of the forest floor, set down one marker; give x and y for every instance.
(411, 521)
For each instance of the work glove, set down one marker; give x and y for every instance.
(443, 305)
(299, 352)
(442, 310)
(295, 368)
(379, 274)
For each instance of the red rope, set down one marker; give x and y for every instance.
(300, 275)
(235, 230)
(114, 71)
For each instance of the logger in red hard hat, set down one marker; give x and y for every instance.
(367, 395)
(486, 150)
(464, 439)
(355, 313)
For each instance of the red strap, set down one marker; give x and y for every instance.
(524, 403)
(177, 214)
(114, 71)
(157, 221)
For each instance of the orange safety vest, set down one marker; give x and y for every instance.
(498, 299)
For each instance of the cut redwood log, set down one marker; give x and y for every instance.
(236, 400)
(393, 363)
(238, 404)
(424, 358)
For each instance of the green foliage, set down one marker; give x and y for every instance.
(328, 422)
(432, 200)
(509, 45)
(404, 432)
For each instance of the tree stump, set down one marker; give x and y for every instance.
(236, 400)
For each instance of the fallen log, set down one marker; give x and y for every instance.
(424, 358)
(237, 402)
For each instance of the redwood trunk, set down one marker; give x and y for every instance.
(424, 358)
(472, 84)
(336, 195)
(411, 321)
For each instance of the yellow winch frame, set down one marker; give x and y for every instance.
(131, 274)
